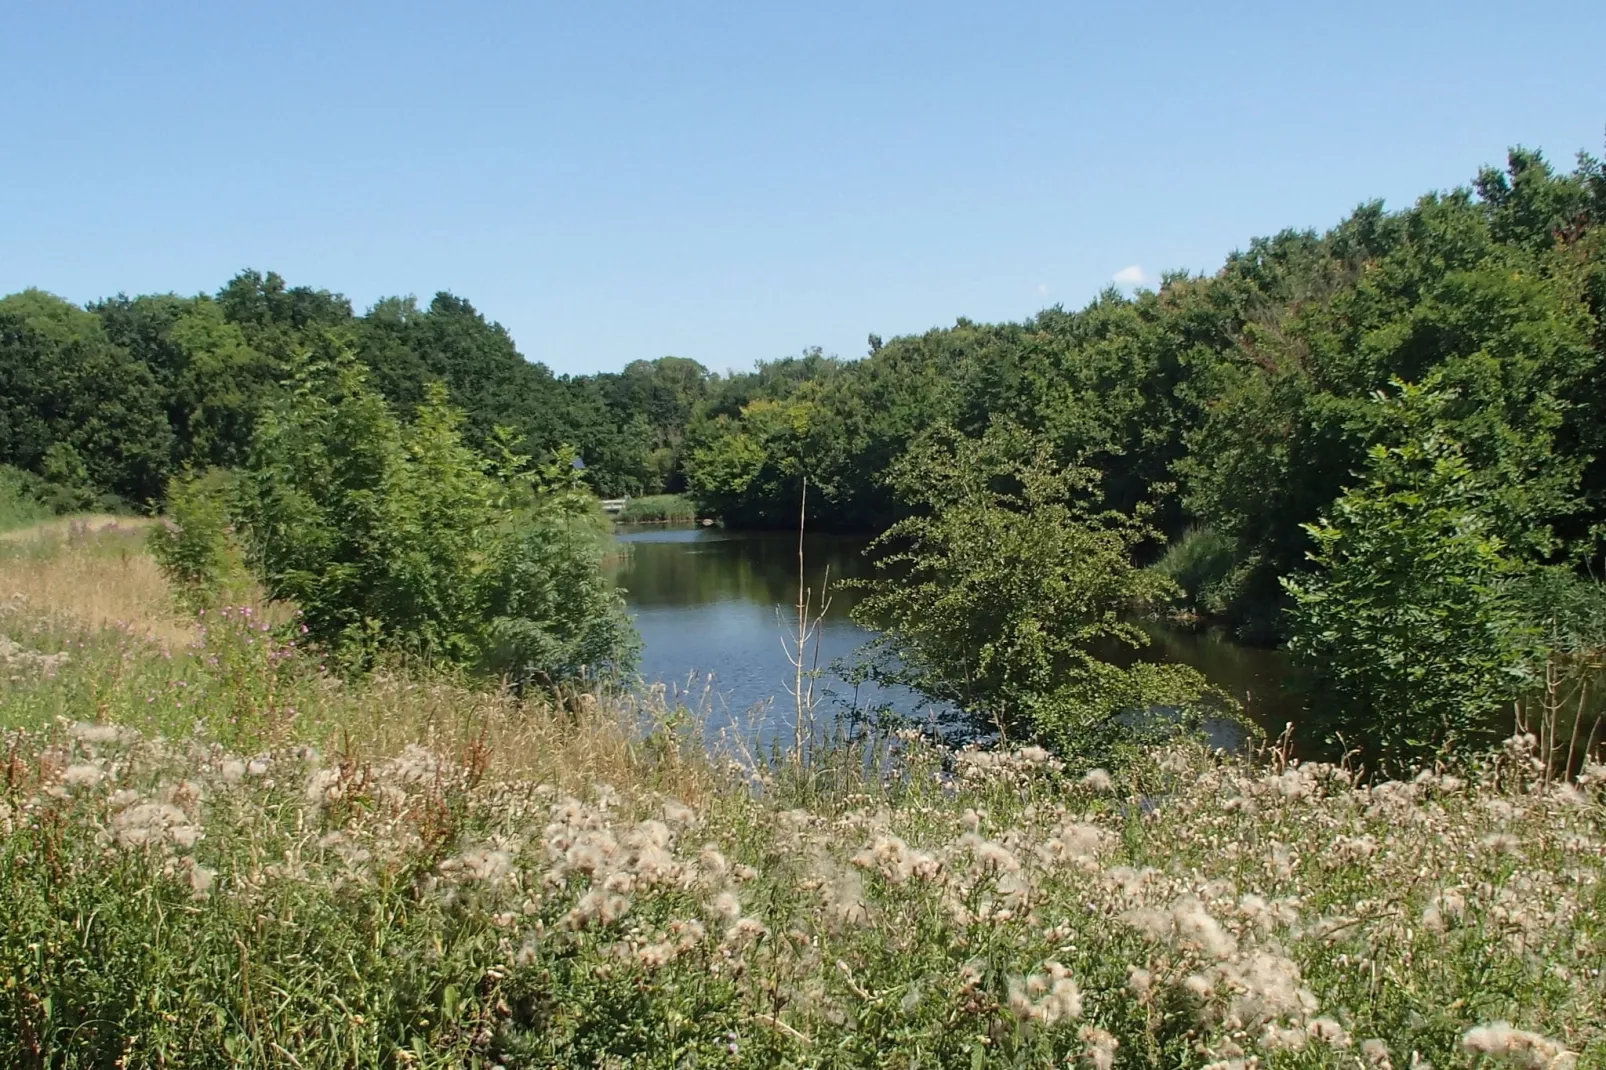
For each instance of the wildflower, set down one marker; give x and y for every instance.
(1444, 909)
(1499, 809)
(894, 860)
(1059, 998)
(1156, 924)
(233, 771)
(1568, 795)
(726, 905)
(688, 933)
(715, 867)
(323, 787)
(598, 907)
(1351, 849)
(1329, 1032)
(201, 878)
(745, 930)
(1517, 1047)
(153, 824)
(844, 900)
(1278, 1038)
(1197, 930)
(82, 775)
(1139, 980)
(1265, 988)
(1077, 842)
(1097, 780)
(653, 956)
(1376, 1053)
(989, 855)
(484, 864)
(677, 813)
(971, 974)
(1502, 843)
(85, 732)
(1099, 1052)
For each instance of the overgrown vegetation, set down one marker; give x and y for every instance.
(21, 500)
(659, 509)
(246, 860)
(1004, 595)
(350, 785)
(397, 538)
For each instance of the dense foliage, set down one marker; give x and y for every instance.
(275, 872)
(394, 536)
(117, 399)
(1004, 596)
(1240, 405)
(1413, 630)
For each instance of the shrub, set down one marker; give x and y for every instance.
(395, 536)
(658, 509)
(1412, 626)
(1004, 593)
(194, 547)
(22, 499)
(1202, 563)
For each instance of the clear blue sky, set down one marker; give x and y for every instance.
(736, 181)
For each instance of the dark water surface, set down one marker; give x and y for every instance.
(715, 609)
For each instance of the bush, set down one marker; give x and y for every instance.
(1004, 593)
(22, 499)
(395, 537)
(659, 509)
(1202, 563)
(194, 546)
(1412, 628)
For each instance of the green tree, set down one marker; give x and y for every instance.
(396, 536)
(1005, 594)
(72, 399)
(216, 383)
(1412, 626)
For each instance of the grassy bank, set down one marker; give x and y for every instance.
(214, 853)
(659, 509)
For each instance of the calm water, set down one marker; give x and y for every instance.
(715, 609)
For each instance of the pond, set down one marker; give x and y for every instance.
(716, 609)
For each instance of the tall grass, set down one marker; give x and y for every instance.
(659, 509)
(218, 854)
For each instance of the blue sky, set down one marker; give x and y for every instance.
(737, 181)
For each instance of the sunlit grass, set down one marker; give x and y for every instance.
(215, 852)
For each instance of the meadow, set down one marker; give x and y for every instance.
(215, 851)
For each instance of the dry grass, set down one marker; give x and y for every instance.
(95, 571)
(617, 740)
(92, 582)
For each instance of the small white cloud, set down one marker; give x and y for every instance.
(1042, 289)
(1130, 276)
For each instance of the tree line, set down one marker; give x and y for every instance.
(108, 402)
(1382, 443)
